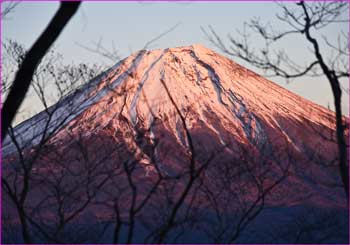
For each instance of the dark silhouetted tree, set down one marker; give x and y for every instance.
(306, 20)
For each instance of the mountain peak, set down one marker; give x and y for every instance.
(197, 47)
(141, 132)
(199, 80)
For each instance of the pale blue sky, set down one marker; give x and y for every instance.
(130, 25)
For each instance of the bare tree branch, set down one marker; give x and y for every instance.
(25, 73)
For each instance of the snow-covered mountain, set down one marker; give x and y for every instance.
(183, 145)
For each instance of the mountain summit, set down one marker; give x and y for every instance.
(199, 80)
(186, 145)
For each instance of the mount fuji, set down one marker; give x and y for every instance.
(176, 145)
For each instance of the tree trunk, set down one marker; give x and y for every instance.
(26, 70)
(343, 167)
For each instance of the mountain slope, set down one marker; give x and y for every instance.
(188, 130)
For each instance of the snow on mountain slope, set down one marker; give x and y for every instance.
(203, 75)
(245, 130)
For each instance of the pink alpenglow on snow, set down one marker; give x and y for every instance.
(178, 145)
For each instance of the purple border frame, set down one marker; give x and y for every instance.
(169, 1)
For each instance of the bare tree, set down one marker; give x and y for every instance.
(17, 182)
(25, 73)
(304, 20)
(87, 180)
(7, 8)
(54, 184)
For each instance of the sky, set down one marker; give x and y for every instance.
(128, 26)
